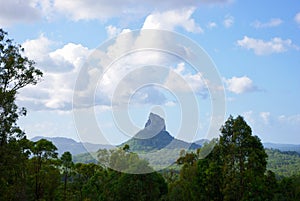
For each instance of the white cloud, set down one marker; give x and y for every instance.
(274, 22)
(297, 18)
(240, 85)
(181, 81)
(171, 19)
(265, 117)
(60, 69)
(14, 11)
(228, 21)
(73, 54)
(102, 9)
(64, 59)
(212, 25)
(260, 47)
(38, 49)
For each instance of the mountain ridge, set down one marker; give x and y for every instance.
(68, 144)
(64, 144)
(154, 136)
(282, 147)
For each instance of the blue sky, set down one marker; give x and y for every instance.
(255, 46)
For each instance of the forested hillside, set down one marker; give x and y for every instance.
(283, 163)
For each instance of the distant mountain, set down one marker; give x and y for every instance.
(66, 144)
(155, 137)
(282, 147)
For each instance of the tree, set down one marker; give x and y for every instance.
(210, 175)
(43, 152)
(244, 161)
(67, 165)
(85, 182)
(143, 187)
(16, 72)
(271, 185)
(289, 189)
(199, 177)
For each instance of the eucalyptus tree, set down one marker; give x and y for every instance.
(16, 71)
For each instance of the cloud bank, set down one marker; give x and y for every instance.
(15, 11)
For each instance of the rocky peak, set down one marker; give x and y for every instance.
(155, 137)
(153, 126)
(155, 121)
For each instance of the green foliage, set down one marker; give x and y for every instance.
(244, 161)
(41, 166)
(144, 187)
(16, 71)
(284, 164)
(234, 169)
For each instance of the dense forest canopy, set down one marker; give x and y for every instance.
(236, 168)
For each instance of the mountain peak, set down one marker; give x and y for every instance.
(155, 121)
(153, 127)
(155, 137)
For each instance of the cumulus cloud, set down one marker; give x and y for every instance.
(274, 22)
(70, 54)
(240, 85)
(297, 18)
(171, 19)
(261, 47)
(228, 21)
(38, 49)
(60, 67)
(64, 59)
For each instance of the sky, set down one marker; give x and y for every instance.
(252, 48)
